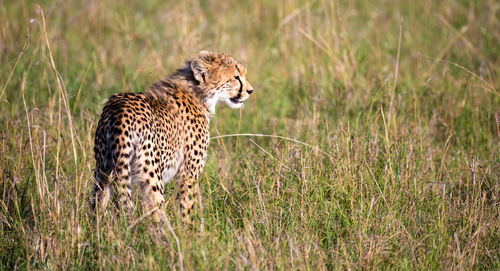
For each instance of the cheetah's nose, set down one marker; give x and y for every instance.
(249, 91)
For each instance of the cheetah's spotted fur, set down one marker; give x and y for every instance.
(149, 138)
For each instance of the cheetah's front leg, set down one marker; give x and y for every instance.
(186, 198)
(187, 183)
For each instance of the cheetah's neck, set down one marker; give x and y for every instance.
(182, 80)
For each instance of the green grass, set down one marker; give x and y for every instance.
(411, 179)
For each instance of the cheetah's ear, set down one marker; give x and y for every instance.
(200, 66)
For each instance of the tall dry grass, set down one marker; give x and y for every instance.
(382, 123)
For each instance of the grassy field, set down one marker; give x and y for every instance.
(394, 106)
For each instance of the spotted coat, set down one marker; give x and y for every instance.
(149, 138)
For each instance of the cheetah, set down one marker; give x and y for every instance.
(148, 138)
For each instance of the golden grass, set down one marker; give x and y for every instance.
(371, 141)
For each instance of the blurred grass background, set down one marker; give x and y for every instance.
(402, 95)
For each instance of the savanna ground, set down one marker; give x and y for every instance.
(397, 101)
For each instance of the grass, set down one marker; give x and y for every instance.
(401, 97)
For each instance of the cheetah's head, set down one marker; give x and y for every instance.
(221, 79)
